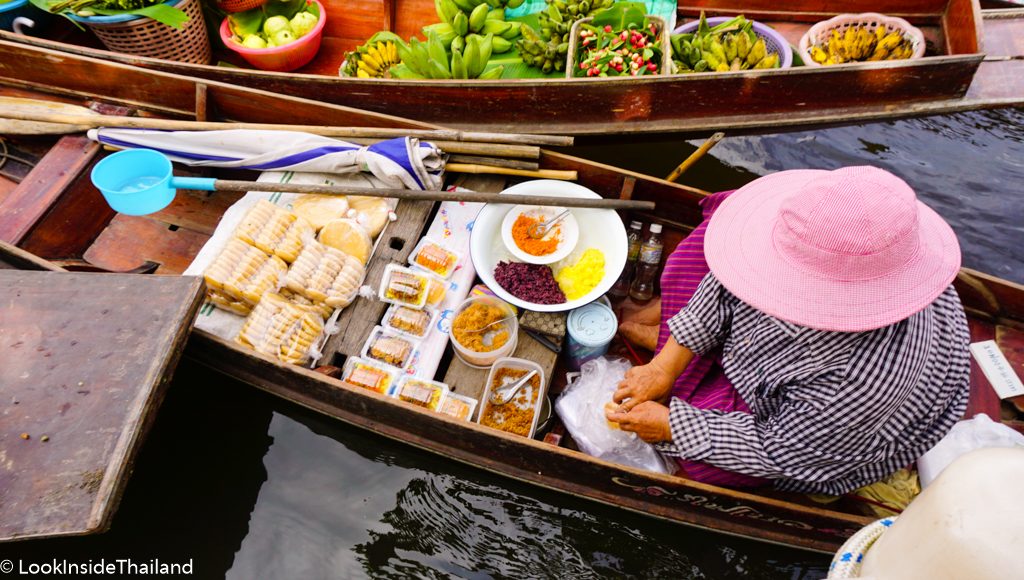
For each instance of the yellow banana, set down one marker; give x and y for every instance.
(363, 74)
(818, 55)
(368, 68)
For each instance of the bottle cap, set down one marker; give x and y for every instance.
(636, 225)
(655, 228)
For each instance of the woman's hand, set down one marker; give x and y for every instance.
(649, 420)
(650, 382)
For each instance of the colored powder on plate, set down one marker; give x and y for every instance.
(579, 279)
(531, 245)
(530, 282)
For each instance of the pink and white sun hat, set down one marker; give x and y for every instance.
(846, 250)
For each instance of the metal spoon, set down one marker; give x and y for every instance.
(511, 390)
(541, 229)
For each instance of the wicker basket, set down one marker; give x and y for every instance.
(239, 5)
(820, 32)
(147, 37)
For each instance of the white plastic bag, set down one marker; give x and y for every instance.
(581, 407)
(964, 437)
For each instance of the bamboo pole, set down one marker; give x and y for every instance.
(467, 196)
(96, 121)
(494, 162)
(539, 174)
(696, 155)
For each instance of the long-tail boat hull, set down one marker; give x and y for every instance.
(977, 64)
(35, 215)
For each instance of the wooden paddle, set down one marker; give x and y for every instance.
(689, 161)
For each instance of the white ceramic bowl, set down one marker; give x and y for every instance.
(598, 228)
(567, 232)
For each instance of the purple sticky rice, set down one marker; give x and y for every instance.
(530, 282)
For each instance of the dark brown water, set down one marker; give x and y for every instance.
(250, 487)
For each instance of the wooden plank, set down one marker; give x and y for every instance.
(87, 359)
(130, 241)
(397, 241)
(31, 199)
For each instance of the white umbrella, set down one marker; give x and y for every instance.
(403, 162)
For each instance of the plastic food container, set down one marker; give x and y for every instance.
(280, 58)
(434, 257)
(500, 413)
(390, 348)
(402, 285)
(421, 392)
(458, 406)
(485, 359)
(369, 375)
(591, 329)
(409, 321)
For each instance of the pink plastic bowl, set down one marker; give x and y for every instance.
(280, 58)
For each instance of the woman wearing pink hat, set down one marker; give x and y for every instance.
(824, 350)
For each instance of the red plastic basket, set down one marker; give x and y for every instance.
(239, 5)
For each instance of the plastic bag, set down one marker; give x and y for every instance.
(581, 408)
(964, 437)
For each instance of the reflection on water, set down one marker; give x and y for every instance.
(250, 487)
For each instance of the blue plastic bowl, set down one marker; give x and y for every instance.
(22, 8)
(112, 19)
(135, 181)
(774, 42)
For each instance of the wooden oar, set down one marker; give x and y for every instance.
(689, 161)
(95, 121)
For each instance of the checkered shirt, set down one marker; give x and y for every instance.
(830, 411)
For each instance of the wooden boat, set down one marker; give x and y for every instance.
(978, 64)
(54, 212)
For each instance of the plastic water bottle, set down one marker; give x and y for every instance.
(642, 288)
(621, 287)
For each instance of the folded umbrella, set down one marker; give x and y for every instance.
(403, 162)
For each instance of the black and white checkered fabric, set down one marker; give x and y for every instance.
(831, 411)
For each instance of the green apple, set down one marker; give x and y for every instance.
(302, 23)
(283, 37)
(254, 41)
(275, 24)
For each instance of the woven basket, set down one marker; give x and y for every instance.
(773, 41)
(239, 5)
(820, 32)
(147, 37)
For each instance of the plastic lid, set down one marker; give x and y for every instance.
(636, 225)
(655, 228)
(592, 325)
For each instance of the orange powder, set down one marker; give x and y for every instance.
(532, 246)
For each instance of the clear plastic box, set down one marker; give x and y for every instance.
(434, 257)
(390, 348)
(458, 406)
(421, 392)
(369, 375)
(401, 285)
(409, 321)
(509, 412)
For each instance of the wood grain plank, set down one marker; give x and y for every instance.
(87, 359)
(130, 241)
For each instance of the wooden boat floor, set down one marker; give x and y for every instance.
(87, 359)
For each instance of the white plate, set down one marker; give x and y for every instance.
(599, 228)
(567, 231)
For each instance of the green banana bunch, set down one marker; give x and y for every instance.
(430, 60)
(547, 47)
(483, 18)
(728, 47)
